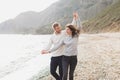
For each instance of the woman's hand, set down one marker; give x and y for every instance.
(75, 15)
(44, 52)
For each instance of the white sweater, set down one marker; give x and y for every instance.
(70, 44)
(56, 40)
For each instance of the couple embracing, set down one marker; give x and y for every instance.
(64, 51)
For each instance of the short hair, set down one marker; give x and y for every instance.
(55, 24)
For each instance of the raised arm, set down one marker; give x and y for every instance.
(76, 21)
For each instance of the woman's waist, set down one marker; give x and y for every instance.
(68, 53)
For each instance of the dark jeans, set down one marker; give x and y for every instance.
(69, 62)
(56, 62)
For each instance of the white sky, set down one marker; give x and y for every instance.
(11, 8)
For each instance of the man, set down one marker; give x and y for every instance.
(56, 59)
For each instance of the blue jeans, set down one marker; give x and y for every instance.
(69, 62)
(56, 62)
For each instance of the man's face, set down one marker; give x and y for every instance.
(57, 29)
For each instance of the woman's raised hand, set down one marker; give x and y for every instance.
(75, 15)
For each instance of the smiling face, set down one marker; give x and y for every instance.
(57, 29)
(71, 30)
(68, 31)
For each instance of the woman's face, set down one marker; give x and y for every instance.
(68, 31)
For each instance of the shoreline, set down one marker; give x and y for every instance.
(42, 74)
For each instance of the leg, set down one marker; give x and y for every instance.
(65, 64)
(53, 67)
(60, 68)
(73, 63)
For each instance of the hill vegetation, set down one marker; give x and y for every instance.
(106, 21)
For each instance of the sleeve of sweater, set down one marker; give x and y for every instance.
(56, 46)
(77, 23)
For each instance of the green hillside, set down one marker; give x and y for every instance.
(107, 21)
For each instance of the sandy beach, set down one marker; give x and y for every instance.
(98, 58)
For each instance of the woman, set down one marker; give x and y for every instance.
(69, 60)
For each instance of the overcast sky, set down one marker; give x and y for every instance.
(11, 8)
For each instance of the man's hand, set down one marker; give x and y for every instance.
(44, 52)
